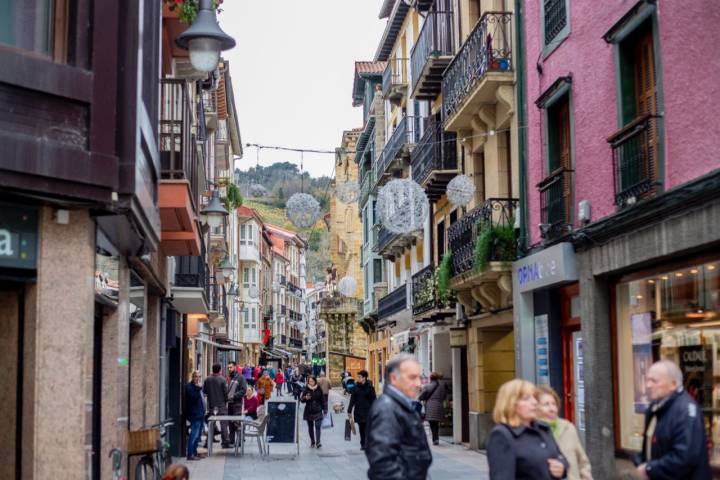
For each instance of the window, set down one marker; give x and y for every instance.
(246, 277)
(253, 323)
(440, 239)
(243, 234)
(377, 270)
(246, 318)
(555, 23)
(30, 25)
(254, 277)
(556, 190)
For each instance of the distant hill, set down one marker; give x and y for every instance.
(281, 180)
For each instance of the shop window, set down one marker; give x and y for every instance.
(673, 315)
(555, 23)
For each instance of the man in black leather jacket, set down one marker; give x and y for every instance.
(674, 442)
(397, 446)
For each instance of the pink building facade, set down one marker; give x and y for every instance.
(623, 212)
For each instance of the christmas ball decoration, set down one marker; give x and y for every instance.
(460, 191)
(302, 210)
(347, 286)
(253, 291)
(403, 206)
(348, 192)
(257, 190)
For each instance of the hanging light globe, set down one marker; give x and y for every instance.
(347, 286)
(257, 190)
(253, 291)
(302, 210)
(348, 192)
(402, 206)
(460, 191)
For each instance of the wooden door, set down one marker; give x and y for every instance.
(569, 325)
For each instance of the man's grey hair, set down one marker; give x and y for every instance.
(672, 370)
(394, 364)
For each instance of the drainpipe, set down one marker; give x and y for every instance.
(522, 123)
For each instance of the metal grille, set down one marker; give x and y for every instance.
(555, 19)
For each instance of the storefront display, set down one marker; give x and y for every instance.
(671, 315)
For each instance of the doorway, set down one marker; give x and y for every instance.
(573, 394)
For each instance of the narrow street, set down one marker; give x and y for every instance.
(337, 459)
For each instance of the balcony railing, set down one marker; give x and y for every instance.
(394, 75)
(432, 53)
(635, 160)
(555, 202)
(384, 237)
(463, 234)
(435, 151)
(392, 303)
(405, 134)
(178, 155)
(296, 342)
(487, 49)
(424, 291)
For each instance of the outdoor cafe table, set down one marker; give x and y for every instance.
(241, 419)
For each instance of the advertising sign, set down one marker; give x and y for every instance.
(542, 350)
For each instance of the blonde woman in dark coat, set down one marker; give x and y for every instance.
(434, 394)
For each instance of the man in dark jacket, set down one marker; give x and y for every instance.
(194, 413)
(396, 446)
(674, 441)
(236, 394)
(361, 400)
(215, 387)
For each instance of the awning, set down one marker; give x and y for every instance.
(272, 353)
(220, 346)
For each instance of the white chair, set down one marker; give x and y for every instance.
(257, 430)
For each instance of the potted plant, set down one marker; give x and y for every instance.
(494, 243)
(188, 9)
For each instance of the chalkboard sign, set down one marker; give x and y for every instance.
(282, 424)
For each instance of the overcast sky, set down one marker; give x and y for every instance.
(292, 72)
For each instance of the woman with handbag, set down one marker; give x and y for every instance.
(315, 410)
(433, 394)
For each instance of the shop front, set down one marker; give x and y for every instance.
(547, 325)
(669, 312)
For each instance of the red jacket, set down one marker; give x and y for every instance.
(256, 373)
(279, 378)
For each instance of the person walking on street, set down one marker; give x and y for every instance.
(272, 372)
(565, 434)
(520, 447)
(325, 385)
(265, 387)
(434, 395)
(361, 400)
(315, 409)
(236, 394)
(247, 373)
(297, 384)
(288, 378)
(279, 380)
(396, 446)
(674, 443)
(251, 403)
(194, 413)
(216, 390)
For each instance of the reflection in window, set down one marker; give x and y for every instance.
(27, 24)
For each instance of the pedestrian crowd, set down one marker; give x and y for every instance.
(529, 441)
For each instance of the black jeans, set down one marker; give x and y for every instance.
(362, 426)
(314, 428)
(435, 429)
(233, 409)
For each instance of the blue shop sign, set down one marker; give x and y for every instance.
(18, 236)
(552, 266)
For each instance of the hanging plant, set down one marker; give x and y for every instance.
(493, 243)
(188, 9)
(233, 199)
(444, 274)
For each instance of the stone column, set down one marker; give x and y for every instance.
(595, 323)
(64, 346)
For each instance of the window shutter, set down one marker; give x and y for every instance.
(646, 101)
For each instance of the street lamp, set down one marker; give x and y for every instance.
(214, 212)
(227, 268)
(205, 39)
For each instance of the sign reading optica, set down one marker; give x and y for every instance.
(18, 236)
(551, 266)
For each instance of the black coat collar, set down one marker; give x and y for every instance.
(404, 402)
(536, 426)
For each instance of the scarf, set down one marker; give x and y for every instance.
(312, 387)
(554, 425)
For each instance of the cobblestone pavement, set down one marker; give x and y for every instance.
(337, 459)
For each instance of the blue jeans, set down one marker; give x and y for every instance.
(195, 430)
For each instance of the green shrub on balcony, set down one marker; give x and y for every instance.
(493, 243)
(444, 273)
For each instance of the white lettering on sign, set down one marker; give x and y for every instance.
(6, 243)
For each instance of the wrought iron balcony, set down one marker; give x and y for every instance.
(463, 234)
(431, 55)
(635, 160)
(434, 159)
(555, 202)
(384, 238)
(394, 302)
(424, 291)
(487, 49)
(296, 342)
(395, 79)
(401, 141)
